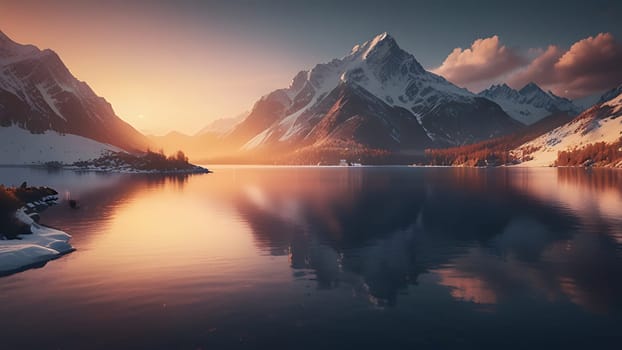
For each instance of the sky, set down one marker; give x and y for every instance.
(177, 65)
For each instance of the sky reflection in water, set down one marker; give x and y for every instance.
(367, 256)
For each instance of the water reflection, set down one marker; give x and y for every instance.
(594, 179)
(486, 237)
(289, 257)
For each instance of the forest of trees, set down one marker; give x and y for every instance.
(148, 161)
(158, 161)
(595, 154)
(488, 153)
(331, 155)
(495, 151)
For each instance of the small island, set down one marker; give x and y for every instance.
(148, 163)
(24, 243)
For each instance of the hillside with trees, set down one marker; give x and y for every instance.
(151, 162)
(496, 151)
(599, 154)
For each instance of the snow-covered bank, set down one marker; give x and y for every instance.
(129, 170)
(35, 249)
(20, 147)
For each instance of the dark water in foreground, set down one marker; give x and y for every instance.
(308, 258)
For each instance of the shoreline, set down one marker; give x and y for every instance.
(35, 249)
(198, 170)
(204, 170)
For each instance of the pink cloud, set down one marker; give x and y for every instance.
(540, 70)
(589, 66)
(485, 60)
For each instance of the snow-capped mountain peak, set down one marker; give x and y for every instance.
(538, 97)
(377, 71)
(381, 45)
(384, 56)
(531, 88)
(501, 91)
(363, 49)
(380, 66)
(529, 104)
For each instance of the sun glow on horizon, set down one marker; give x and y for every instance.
(160, 73)
(183, 64)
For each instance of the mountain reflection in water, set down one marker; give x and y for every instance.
(308, 257)
(486, 234)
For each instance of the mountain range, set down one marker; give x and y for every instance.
(375, 104)
(601, 123)
(529, 104)
(377, 97)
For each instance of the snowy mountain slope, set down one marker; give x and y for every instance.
(601, 123)
(39, 93)
(529, 104)
(386, 82)
(20, 147)
(349, 112)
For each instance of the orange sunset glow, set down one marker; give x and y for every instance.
(297, 174)
(160, 73)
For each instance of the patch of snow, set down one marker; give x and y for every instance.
(373, 43)
(257, 140)
(42, 245)
(289, 122)
(615, 104)
(524, 113)
(20, 147)
(49, 100)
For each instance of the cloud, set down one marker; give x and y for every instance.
(589, 66)
(540, 69)
(486, 60)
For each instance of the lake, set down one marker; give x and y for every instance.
(312, 258)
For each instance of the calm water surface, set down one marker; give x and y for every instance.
(308, 258)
